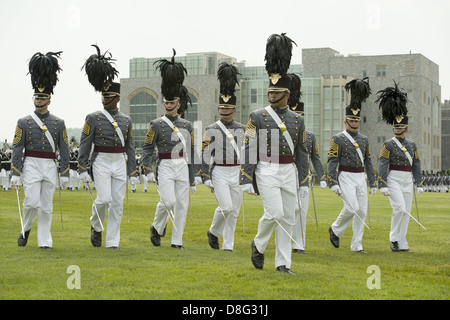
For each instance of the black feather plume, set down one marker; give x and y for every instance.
(360, 91)
(278, 54)
(295, 90)
(44, 70)
(392, 102)
(172, 74)
(99, 69)
(227, 76)
(185, 99)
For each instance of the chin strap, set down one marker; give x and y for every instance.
(272, 102)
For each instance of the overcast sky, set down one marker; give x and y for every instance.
(239, 28)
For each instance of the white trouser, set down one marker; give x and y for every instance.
(173, 184)
(110, 176)
(74, 180)
(354, 190)
(277, 184)
(300, 226)
(144, 177)
(228, 195)
(400, 187)
(39, 183)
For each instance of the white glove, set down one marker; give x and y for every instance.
(303, 192)
(323, 184)
(373, 190)
(248, 187)
(336, 189)
(193, 188)
(63, 181)
(151, 177)
(209, 184)
(385, 191)
(419, 190)
(15, 180)
(85, 177)
(133, 180)
(198, 180)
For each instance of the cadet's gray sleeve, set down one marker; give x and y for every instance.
(249, 151)
(383, 166)
(369, 168)
(333, 162)
(194, 161)
(130, 151)
(302, 157)
(207, 154)
(17, 150)
(417, 174)
(148, 148)
(87, 137)
(315, 160)
(64, 154)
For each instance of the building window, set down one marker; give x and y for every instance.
(142, 111)
(381, 71)
(254, 96)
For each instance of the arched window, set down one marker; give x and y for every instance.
(142, 111)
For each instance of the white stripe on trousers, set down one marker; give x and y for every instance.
(173, 184)
(39, 183)
(400, 186)
(354, 190)
(228, 194)
(110, 176)
(277, 184)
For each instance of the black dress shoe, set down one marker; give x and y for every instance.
(213, 240)
(45, 248)
(114, 248)
(177, 246)
(155, 238)
(22, 241)
(299, 251)
(96, 238)
(361, 251)
(334, 239)
(284, 269)
(394, 246)
(257, 258)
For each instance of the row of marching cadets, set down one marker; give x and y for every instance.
(436, 181)
(269, 157)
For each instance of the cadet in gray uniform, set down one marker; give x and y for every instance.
(299, 233)
(176, 164)
(221, 148)
(398, 166)
(348, 158)
(113, 157)
(37, 139)
(274, 149)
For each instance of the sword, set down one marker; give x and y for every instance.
(171, 215)
(354, 212)
(315, 213)
(417, 209)
(279, 224)
(20, 209)
(126, 184)
(404, 210)
(95, 207)
(243, 212)
(223, 214)
(60, 202)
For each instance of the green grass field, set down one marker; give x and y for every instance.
(141, 271)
